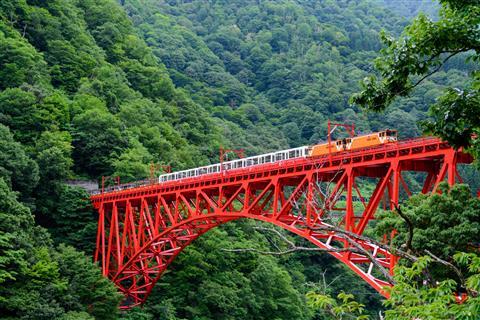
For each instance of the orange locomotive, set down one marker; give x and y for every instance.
(347, 144)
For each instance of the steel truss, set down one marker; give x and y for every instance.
(141, 230)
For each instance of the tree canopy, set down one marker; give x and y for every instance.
(424, 47)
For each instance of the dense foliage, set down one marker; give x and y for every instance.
(440, 263)
(81, 95)
(422, 50)
(291, 64)
(95, 87)
(41, 282)
(442, 227)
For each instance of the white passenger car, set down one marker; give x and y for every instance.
(300, 152)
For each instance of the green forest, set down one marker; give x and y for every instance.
(92, 88)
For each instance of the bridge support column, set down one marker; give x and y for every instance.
(448, 168)
(350, 214)
(452, 167)
(394, 197)
(100, 250)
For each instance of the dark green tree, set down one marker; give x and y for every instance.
(97, 138)
(71, 219)
(133, 163)
(38, 282)
(443, 223)
(87, 290)
(16, 167)
(20, 63)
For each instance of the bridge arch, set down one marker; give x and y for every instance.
(141, 230)
(138, 276)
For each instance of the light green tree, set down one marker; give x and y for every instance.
(424, 47)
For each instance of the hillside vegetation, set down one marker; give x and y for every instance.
(92, 88)
(290, 64)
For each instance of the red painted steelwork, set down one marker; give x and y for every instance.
(141, 230)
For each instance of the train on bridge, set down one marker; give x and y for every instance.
(318, 150)
(144, 226)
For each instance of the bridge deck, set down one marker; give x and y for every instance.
(415, 150)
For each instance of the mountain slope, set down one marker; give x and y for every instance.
(305, 58)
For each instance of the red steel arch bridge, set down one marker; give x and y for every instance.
(141, 229)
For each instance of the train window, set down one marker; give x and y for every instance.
(382, 134)
(339, 143)
(210, 169)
